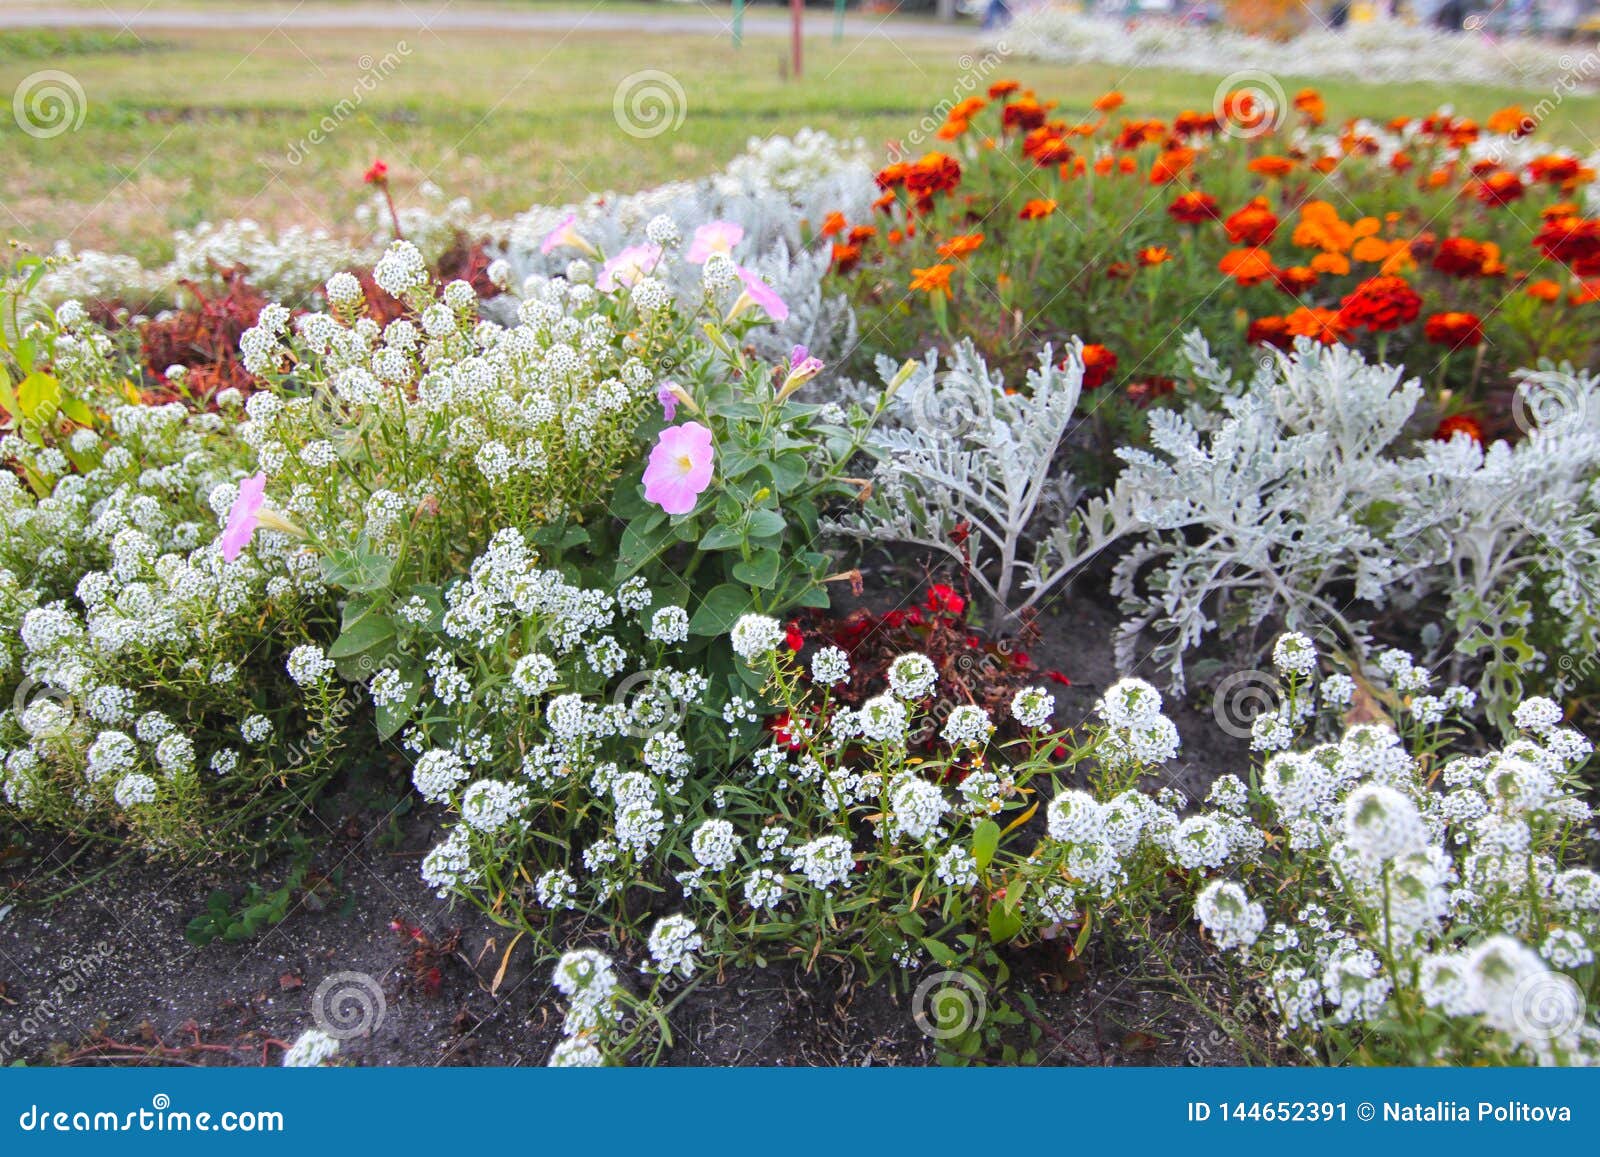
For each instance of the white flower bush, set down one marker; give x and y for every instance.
(1410, 906)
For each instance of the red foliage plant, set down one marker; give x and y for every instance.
(204, 339)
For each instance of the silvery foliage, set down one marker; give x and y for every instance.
(957, 450)
(1304, 492)
(778, 191)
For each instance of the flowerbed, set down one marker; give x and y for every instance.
(556, 522)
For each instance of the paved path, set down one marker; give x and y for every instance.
(688, 19)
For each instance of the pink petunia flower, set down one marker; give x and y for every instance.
(679, 468)
(243, 515)
(566, 233)
(714, 237)
(628, 267)
(758, 292)
(802, 368)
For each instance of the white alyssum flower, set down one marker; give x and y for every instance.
(311, 1049)
(1381, 823)
(755, 636)
(1294, 654)
(714, 845)
(1033, 706)
(1227, 912)
(308, 665)
(968, 725)
(830, 667)
(673, 942)
(912, 676)
(824, 861)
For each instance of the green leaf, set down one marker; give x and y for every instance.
(789, 472)
(368, 633)
(720, 609)
(357, 573)
(760, 569)
(1003, 925)
(721, 537)
(37, 395)
(985, 841)
(943, 954)
(764, 523)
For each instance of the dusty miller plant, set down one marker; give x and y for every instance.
(967, 469)
(1306, 505)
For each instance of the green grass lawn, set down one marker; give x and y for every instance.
(189, 126)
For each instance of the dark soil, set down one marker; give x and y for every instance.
(106, 976)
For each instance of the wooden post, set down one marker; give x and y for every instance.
(797, 15)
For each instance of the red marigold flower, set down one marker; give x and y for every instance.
(1193, 208)
(1554, 169)
(1499, 188)
(1155, 255)
(1003, 88)
(1253, 225)
(1459, 424)
(1023, 114)
(1380, 304)
(1156, 386)
(1099, 363)
(1464, 257)
(1037, 208)
(1273, 331)
(1454, 329)
(1170, 165)
(1574, 241)
(1296, 279)
(1543, 290)
(846, 257)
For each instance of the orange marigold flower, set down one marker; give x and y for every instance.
(1253, 225)
(951, 129)
(1170, 165)
(1110, 101)
(1586, 292)
(965, 110)
(1459, 424)
(1333, 264)
(1273, 331)
(1244, 109)
(1375, 249)
(884, 203)
(1440, 177)
(961, 245)
(934, 279)
(1193, 208)
(1454, 329)
(1322, 324)
(1510, 121)
(1554, 169)
(1309, 102)
(846, 257)
(1296, 279)
(1003, 88)
(1380, 304)
(1499, 188)
(1099, 363)
(1401, 162)
(1247, 266)
(861, 233)
(1154, 255)
(893, 174)
(1319, 227)
(1037, 208)
(1190, 123)
(834, 224)
(1271, 165)
(1543, 290)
